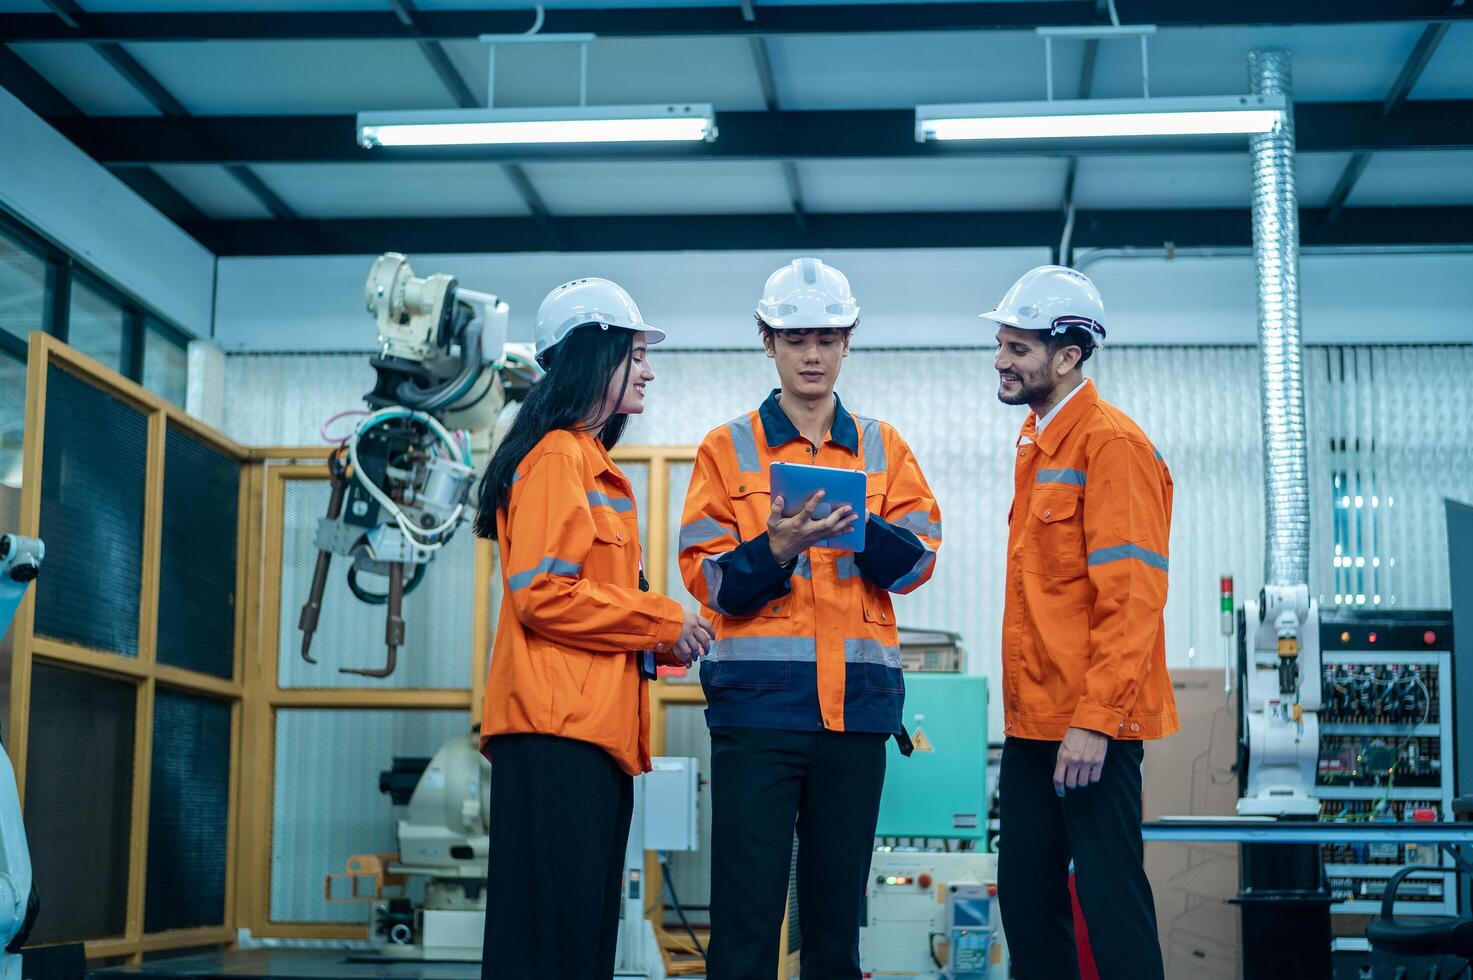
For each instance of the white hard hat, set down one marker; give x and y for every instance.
(806, 294)
(587, 303)
(1053, 298)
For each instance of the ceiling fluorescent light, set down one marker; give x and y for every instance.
(1096, 118)
(592, 124)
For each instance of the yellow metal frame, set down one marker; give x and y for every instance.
(267, 697)
(254, 691)
(144, 671)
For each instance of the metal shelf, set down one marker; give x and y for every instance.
(1428, 730)
(1376, 792)
(1380, 870)
(1358, 907)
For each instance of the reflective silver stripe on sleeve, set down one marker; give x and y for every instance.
(1121, 552)
(713, 572)
(547, 566)
(918, 570)
(920, 523)
(804, 568)
(703, 529)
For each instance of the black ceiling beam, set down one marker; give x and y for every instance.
(1064, 253)
(409, 16)
(679, 21)
(70, 14)
(533, 200)
(148, 185)
(28, 85)
(1323, 127)
(1096, 229)
(762, 62)
(1396, 99)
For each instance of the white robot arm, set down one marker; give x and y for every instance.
(401, 480)
(20, 561)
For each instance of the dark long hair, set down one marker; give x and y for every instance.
(579, 370)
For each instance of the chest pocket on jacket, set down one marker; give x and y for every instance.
(751, 502)
(609, 528)
(780, 608)
(1054, 544)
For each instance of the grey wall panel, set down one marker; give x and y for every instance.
(326, 805)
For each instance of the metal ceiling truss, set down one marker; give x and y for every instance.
(674, 20)
(719, 232)
(842, 134)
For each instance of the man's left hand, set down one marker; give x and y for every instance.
(1081, 759)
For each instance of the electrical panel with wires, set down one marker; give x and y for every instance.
(1386, 752)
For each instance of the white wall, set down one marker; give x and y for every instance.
(71, 199)
(916, 298)
(913, 298)
(1199, 405)
(1344, 298)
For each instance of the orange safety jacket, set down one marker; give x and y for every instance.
(1083, 642)
(573, 617)
(811, 644)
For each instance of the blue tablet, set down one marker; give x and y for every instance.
(796, 482)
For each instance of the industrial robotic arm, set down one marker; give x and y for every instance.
(1281, 702)
(401, 480)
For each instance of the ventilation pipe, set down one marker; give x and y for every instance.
(1276, 255)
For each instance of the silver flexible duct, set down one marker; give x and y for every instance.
(1276, 253)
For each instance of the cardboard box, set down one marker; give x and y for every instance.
(1191, 774)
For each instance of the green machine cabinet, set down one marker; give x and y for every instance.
(941, 792)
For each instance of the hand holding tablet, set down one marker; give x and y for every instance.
(815, 506)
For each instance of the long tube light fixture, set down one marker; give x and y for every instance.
(1095, 118)
(576, 124)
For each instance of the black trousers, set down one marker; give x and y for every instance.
(560, 814)
(764, 783)
(1099, 827)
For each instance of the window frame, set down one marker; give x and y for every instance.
(62, 269)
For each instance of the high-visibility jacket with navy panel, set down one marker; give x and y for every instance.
(573, 617)
(811, 644)
(1083, 642)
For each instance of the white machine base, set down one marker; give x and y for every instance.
(1268, 806)
(904, 917)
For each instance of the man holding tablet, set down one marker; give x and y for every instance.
(803, 683)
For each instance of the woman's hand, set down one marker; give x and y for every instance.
(696, 636)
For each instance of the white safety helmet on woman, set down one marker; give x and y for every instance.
(1053, 298)
(805, 294)
(587, 303)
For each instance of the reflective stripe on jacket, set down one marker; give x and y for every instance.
(811, 644)
(1083, 642)
(573, 618)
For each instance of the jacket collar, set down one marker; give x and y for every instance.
(1075, 409)
(598, 457)
(780, 429)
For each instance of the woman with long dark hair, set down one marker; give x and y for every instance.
(566, 717)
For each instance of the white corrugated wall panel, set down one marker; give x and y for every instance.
(1198, 404)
